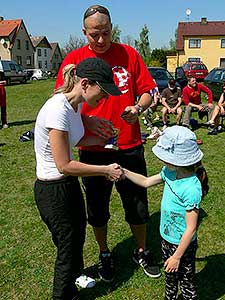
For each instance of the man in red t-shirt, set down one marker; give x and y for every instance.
(134, 80)
(192, 99)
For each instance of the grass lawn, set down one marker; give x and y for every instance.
(27, 252)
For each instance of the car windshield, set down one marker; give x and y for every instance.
(160, 74)
(198, 67)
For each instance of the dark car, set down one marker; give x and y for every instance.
(162, 76)
(214, 80)
(196, 69)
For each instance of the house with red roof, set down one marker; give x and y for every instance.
(15, 43)
(199, 41)
(56, 58)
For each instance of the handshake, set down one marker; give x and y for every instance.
(114, 172)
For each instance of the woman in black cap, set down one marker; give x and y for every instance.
(57, 191)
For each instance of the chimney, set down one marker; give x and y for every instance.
(204, 21)
(1, 18)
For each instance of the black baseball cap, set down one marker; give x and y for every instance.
(99, 71)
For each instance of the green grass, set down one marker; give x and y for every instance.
(27, 253)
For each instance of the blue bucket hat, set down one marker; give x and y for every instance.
(177, 145)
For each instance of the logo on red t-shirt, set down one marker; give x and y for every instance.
(121, 77)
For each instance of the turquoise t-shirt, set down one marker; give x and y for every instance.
(179, 195)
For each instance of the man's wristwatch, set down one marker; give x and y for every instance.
(139, 108)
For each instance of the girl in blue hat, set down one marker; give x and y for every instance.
(185, 184)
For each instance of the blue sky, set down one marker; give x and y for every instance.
(59, 19)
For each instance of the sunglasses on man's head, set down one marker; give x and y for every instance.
(93, 10)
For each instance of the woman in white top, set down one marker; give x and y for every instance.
(59, 127)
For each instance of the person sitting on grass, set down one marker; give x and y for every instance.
(218, 111)
(171, 101)
(185, 184)
(192, 100)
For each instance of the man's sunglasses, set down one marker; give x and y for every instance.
(93, 10)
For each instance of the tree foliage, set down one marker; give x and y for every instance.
(73, 43)
(128, 40)
(116, 34)
(159, 55)
(142, 45)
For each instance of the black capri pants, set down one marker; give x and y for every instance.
(98, 189)
(184, 275)
(61, 206)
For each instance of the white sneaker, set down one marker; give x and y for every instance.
(5, 126)
(85, 282)
(164, 127)
(155, 133)
(145, 122)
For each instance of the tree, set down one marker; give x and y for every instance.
(142, 44)
(74, 43)
(172, 42)
(128, 40)
(116, 34)
(159, 55)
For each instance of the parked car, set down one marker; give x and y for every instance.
(35, 74)
(196, 69)
(214, 80)
(11, 72)
(162, 76)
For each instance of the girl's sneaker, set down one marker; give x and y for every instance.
(85, 282)
(144, 260)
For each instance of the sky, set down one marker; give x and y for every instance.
(57, 20)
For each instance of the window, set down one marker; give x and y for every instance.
(39, 52)
(194, 59)
(45, 52)
(19, 60)
(18, 44)
(46, 64)
(222, 43)
(222, 65)
(27, 45)
(40, 64)
(28, 60)
(194, 43)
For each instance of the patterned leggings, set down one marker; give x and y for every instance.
(185, 274)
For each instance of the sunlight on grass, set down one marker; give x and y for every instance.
(27, 252)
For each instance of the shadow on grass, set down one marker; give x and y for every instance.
(20, 123)
(211, 279)
(124, 270)
(124, 266)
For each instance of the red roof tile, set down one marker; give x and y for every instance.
(203, 28)
(8, 26)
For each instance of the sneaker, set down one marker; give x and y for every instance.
(144, 260)
(164, 127)
(85, 282)
(210, 123)
(5, 126)
(105, 266)
(212, 131)
(155, 133)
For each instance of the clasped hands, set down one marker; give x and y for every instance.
(115, 172)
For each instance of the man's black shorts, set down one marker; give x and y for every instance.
(98, 189)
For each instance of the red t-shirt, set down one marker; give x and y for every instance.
(130, 75)
(193, 95)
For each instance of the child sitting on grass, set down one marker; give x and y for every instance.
(185, 183)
